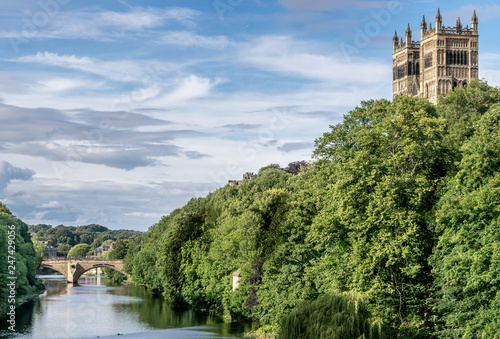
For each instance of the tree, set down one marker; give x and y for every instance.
(118, 251)
(330, 317)
(79, 251)
(295, 167)
(40, 248)
(270, 166)
(466, 260)
(4, 209)
(383, 163)
(27, 285)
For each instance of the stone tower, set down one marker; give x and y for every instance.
(446, 57)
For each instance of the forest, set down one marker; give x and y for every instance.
(391, 231)
(64, 238)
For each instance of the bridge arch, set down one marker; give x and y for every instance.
(72, 269)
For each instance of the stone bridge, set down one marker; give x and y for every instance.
(72, 269)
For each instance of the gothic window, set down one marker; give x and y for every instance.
(428, 61)
(401, 72)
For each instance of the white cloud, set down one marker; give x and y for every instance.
(121, 70)
(283, 54)
(52, 204)
(61, 84)
(190, 88)
(106, 25)
(188, 39)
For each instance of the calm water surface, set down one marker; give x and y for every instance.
(92, 309)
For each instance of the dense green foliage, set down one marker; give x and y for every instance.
(336, 316)
(400, 206)
(466, 259)
(21, 250)
(120, 250)
(65, 237)
(79, 251)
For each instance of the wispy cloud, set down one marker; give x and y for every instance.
(189, 39)
(286, 55)
(242, 126)
(484, 12)
(322, 5)
(104, 138)
(189, 88)
(120, 70)
(130, 205)
(294, 146)
(104, 25)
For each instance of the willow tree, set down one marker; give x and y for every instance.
(334, 316)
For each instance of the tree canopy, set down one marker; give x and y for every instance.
(79, 251)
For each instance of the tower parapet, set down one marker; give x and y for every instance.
(446, 57)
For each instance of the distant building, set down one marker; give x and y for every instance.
(103, 250)
(445, 58)
(246, 176)
(50, 251)
(236, 279)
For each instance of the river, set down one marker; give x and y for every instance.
(93, 309)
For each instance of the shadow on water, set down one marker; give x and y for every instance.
(159, 314)
(94, 308)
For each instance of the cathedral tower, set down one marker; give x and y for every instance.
(446, 57)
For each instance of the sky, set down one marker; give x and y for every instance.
(118, 112)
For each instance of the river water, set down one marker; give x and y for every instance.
(93, 309)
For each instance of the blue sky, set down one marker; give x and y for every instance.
(117, 112)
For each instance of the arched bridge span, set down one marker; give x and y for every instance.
(72, 269)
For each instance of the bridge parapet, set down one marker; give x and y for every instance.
(73, 268)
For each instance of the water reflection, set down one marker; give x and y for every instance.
(91, 308)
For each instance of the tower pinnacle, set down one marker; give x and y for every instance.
(474, 22)
(439, 20)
